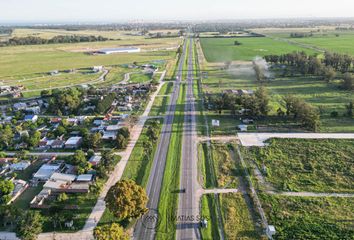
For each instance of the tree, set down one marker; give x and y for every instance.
(30, 225)
(6, 136)
(349, 108)
(6, 187)
(348, 81)
(79, 159)
(262, 100)
(62, 197)
(329, 73)
(34, 139)
(94, 140)
(126, 199)
(110, 232)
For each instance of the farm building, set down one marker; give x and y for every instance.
(118, 50)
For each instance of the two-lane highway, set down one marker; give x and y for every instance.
(146, 226)
(188, 208)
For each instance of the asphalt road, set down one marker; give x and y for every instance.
(146, 226)
(188, 218)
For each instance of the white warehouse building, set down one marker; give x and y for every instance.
(119, 50)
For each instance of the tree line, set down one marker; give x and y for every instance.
(327, 68)
(300, 34)
(257, 105)
(31, 40)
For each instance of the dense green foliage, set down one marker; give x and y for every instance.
(109, 232)
(105, 103)
(30, 225)
(30, 40)
(309, 218)
(6, 187)
(319, 165)
(126, 199)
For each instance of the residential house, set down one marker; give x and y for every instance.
(31, 118)
(73, 142)
(20, 166)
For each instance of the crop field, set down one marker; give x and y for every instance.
(326, 38)
(237, 218)
(309, 218)
(223, 49)
(307, 164)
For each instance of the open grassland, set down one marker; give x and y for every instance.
(170, 184)
(309, 218)
(223, 49)
(22, 60)
(237, 218)
(306, 164)
(140, 78)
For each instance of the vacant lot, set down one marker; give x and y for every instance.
(309, 218)
(219, 171)
(224, 49)
(306, 164)
(237, 218)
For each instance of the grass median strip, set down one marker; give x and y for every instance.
(169, 192)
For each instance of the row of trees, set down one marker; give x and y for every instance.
(31, 40)
(312, 64)
(308, 115)
(256, 104)
(300, 34)
(103, 105)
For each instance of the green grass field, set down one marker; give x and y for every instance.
(309, 218)
(223, 49)
(307, 164)
(22, 60)
(326, 96)
(325, 38)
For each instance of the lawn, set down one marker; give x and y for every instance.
(223, 49)
(309, 218)
(23, 201)
(140, 78)
(237, 218)
(306, 164)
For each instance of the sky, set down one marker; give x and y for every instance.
(23, 11)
